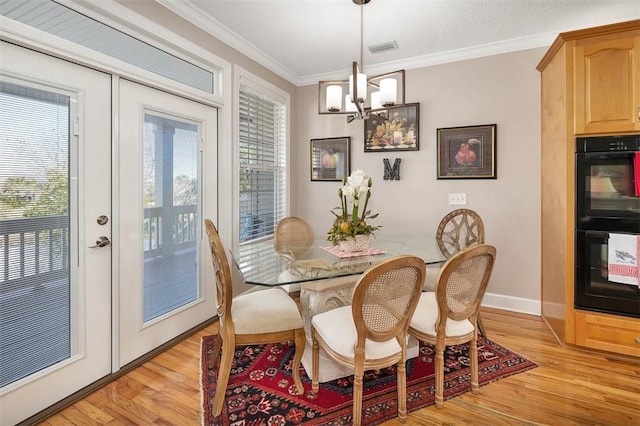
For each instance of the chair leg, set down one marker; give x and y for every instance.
(315, 363)
(402, 391)
(473, 354)
(357, 394)
(299, 341)
(439, 374)
(216, 351)
(223, 374)
(480, 326)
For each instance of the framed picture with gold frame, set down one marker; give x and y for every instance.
(467, 152)
(330, 158)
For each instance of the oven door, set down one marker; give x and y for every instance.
(605, 190)
(593, 290)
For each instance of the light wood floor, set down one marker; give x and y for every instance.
(570, 387)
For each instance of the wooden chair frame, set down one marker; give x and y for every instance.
(453, 225)
(456, 264)
(228, 339)
(376, 285)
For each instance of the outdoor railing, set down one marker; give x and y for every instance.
(35, 250)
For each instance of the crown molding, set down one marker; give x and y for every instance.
(473, 52)
(197, 17)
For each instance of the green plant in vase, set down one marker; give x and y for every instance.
(351, 219)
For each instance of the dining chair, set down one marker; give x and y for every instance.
(260, 317)
(292, 235)
(371, 333)
(457, 230)
(449, 315)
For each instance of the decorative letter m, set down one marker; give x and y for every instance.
(391, 173)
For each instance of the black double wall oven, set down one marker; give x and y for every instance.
(607, 202)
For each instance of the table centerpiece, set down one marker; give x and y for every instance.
(350, 229)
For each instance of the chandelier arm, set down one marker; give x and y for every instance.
(355, 100)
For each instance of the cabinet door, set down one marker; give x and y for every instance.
(608, 332)
(607, 85)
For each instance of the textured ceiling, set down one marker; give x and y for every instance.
(307, 40)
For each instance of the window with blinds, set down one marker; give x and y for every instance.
(262, 150)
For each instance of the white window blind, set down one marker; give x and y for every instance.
(263, 174)
(35, 283)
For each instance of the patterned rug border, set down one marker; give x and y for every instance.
(379, 405)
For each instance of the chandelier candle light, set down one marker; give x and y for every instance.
(386, 87)
(350, 230)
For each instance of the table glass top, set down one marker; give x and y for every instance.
(260, 264)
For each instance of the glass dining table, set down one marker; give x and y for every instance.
(261, 264)
(326, 277)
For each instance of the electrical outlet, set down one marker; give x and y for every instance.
(457, 199)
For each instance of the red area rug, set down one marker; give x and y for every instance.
(261, 389)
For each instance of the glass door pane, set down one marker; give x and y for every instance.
(35, 290)
(170, 214)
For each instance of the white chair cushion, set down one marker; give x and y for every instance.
(265, 311)
(337, 329)
(426, 314)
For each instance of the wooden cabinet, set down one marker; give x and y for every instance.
(606, 89)
(608, 332)
(590, 81)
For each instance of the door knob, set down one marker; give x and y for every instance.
(101, 242)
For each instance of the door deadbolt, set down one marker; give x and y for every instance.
(101, 242)
(102, 220)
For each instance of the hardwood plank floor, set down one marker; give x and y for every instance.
(570, 387)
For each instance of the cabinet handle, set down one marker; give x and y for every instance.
(638, 340)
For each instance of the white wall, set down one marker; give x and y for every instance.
(502, 89)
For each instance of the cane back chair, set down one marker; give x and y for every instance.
(449, 316)
(260, 317)
(292, 235)
(371, 333)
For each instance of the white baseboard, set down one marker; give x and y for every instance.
(510, 303)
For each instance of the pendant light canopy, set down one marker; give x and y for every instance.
(350, 96)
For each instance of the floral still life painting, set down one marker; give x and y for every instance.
(350, 228)
(392, 129)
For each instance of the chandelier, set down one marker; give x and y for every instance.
(386, 90)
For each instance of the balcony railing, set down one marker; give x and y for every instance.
(34, 251)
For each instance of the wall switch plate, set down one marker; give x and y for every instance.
(457, 199)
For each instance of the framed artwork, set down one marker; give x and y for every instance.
(467, 152)
(393, 129)
(330, 158)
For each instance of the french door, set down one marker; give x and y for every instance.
(163, 191)
(55, 228)
(101, 261)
